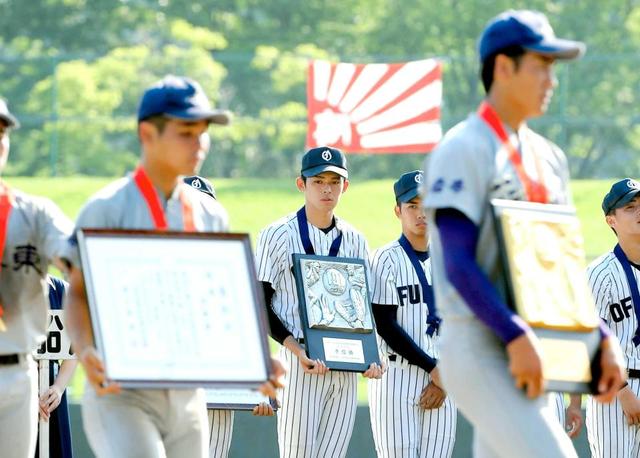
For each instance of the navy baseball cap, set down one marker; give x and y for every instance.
(181, 98)
(6, 116)
(408, 186)
(201, 184)
(324, 159)
(621, 193)
(529, 29)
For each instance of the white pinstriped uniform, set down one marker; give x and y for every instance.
(220, 432)
(607, 429)
(401, 428)
(317, 411)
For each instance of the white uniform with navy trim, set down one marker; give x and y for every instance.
(401, 428)
(469, 167)
(317, 412)
(607, 429)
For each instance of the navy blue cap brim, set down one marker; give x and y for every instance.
(221, 117)
(318, 169)
(558, 48)
(10, 120)
(408, 195)
(624, 200)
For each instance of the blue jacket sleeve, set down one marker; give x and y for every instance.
(459, 239)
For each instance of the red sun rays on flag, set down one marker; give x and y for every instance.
(375, 108)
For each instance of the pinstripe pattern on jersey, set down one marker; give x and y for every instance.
(317, 412)
(613, 303)
(557, 401)
(276, 244)
(401, 428)
(607, 430)
(220, 432)
(392, 275)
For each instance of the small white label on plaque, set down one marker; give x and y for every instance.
(343, 350)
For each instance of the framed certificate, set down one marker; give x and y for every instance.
(543, 254)
(236, 399)
(175, 309)
(335, 309)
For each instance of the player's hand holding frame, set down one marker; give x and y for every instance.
(96, 373)
(525, 364)
(374, 371)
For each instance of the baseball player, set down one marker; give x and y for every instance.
(173, 118)
(33, 232)
(318, 405)
(221, 420)
(411, 415)
(614, 430)
(490, 359)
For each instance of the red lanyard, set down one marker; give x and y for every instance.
(6, 204)
(153, 202)
(536, 190)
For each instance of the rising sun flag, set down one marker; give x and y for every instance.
(375, 108)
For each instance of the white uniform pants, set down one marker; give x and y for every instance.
(403, 429)
(18, 409)
(474, 368)
(146, 423)
(317, 412)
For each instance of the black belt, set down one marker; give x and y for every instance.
(7, 360)
(633, 373)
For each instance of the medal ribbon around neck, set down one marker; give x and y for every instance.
(633, 286)
(433, 320)
(6, 205)
(306, 241)
(536, 191)
(152, 199)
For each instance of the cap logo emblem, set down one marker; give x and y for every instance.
(418, 178)
(632, 184)
(196, 184)
(326, 155)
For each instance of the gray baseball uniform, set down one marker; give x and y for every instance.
(146, 423)
(401, 428)
(317, 412)
(609, 434)
(467, 169)
(37, 232)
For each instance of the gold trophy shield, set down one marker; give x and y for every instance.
(547, 266)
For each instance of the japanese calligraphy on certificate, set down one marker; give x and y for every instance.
(173, 308)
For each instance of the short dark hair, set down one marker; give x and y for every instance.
(514, 52)
(159, 121)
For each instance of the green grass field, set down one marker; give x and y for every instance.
(254, 203)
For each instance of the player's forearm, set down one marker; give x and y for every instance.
(67, 369)
(575, 401)
(277, 329)
(459, 238)
(397, 338)
(77, 313)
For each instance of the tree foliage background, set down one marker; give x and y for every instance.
(73, 72)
